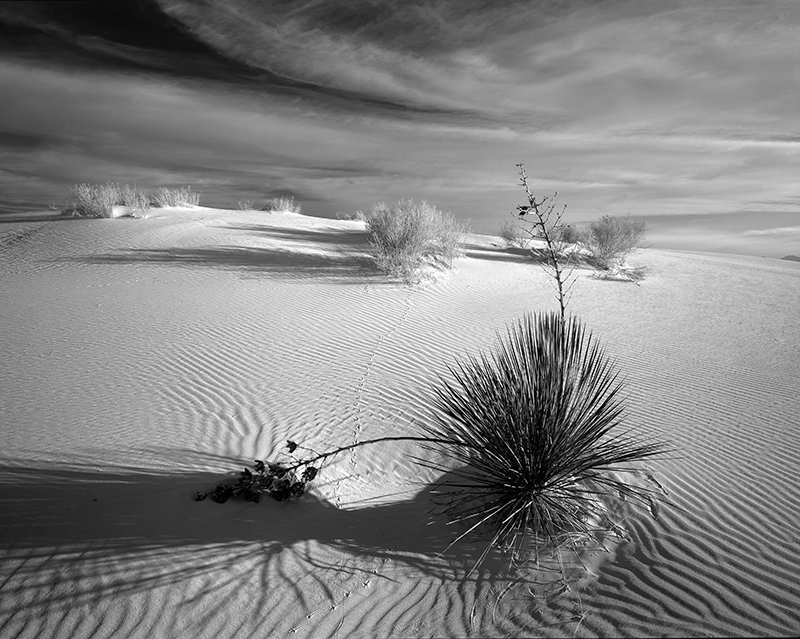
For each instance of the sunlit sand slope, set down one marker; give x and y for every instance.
(143, 360)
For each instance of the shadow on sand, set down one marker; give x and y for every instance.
(75, 539)
(340, 255)
(143, 530)
(504, 254)
(258, 260)
(352, 241)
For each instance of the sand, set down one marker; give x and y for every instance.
(146, 359)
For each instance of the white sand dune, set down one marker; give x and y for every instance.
(145, 359)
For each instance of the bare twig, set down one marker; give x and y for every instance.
(547, 222)
(427, 440)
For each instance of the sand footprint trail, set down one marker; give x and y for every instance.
(145, 359)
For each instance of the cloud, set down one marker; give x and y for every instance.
(757, 232)
(621, 106)
(781, 230)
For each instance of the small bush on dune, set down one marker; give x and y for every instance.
(568, 234)
(99, 200)
(610, 240)
(406, 236)
(245, 205)
(133, 198)
(281, 204)
(358, 215)
(514, 235)
(91, 200)
(183, 196)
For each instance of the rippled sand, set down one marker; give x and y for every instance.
(146, 359)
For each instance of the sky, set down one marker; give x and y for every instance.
(684, 112)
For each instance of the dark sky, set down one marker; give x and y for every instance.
(687, 112)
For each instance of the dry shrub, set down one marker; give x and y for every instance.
(610, 240)
(358, 215)
(514, 235)
(568, 234)
(183, 196)
(281, 204)
(99, 200)
(407, 236)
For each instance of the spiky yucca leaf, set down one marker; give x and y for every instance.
(535, 429)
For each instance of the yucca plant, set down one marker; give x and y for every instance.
(535, 429)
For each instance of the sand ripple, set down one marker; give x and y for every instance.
(147, 359)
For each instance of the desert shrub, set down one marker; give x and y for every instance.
(535, 431)
(99, 200)
(406, 236)
(134, 199)
(514, 235)
(183, 196)
(610, 240)
(245, 205)
(285, 204)
(93, 200)
(569, 234)
(358, 215)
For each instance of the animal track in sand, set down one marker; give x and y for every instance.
(358, 402)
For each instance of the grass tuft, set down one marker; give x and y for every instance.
(536, 429)
(281, 204)
(406, 236)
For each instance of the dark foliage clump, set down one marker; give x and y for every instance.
(279, 481)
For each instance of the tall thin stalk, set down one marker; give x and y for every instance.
(547, 222)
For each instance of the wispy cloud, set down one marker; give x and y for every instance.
(644, 107)
(784, 231)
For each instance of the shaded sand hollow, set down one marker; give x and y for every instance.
(144, 359)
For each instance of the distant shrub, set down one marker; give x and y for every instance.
(99, 200)
(245, 205)
(610, 240)
(358, 215)
(406, 236)
(569, 234)
(281, 204)
(92, 200)
(176, 197)
(514, 235)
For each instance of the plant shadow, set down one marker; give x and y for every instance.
(344, 255)
(346, 240)
(60, 514)
(19, 218)
(533, 254)
(497, 253)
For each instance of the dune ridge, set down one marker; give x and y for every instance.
(146, 359)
